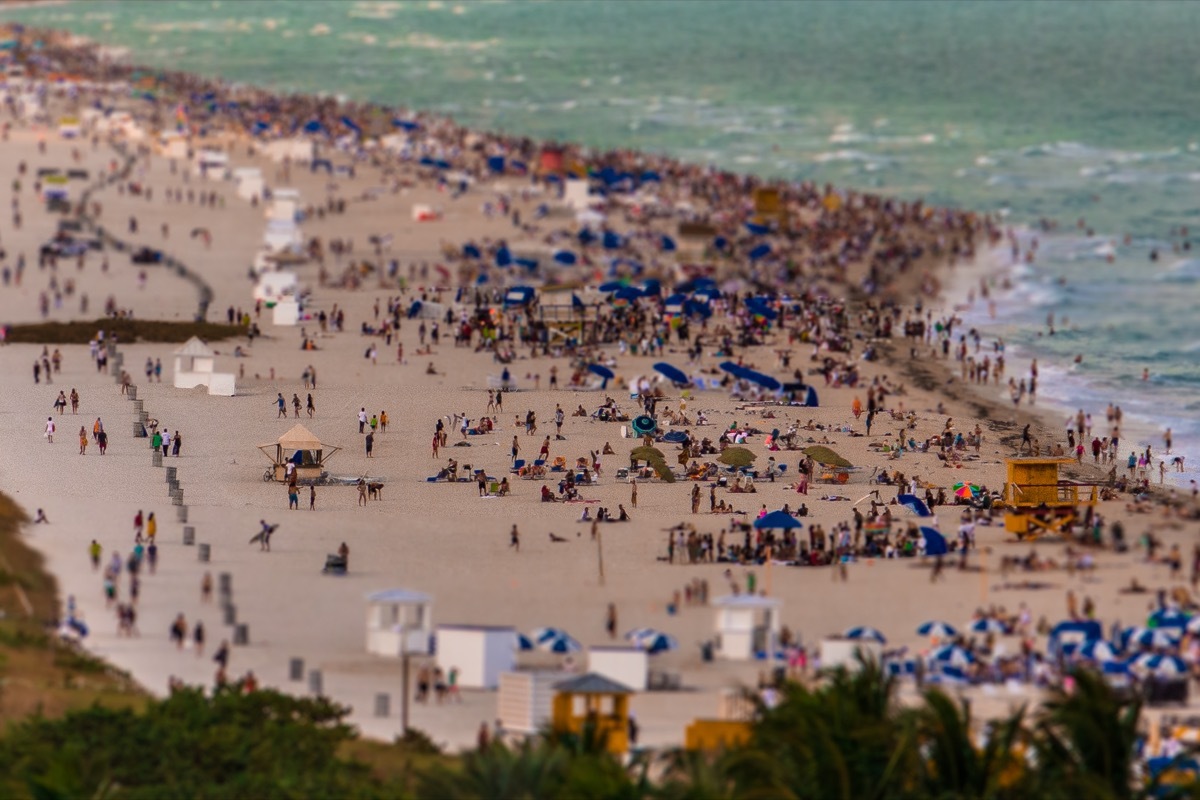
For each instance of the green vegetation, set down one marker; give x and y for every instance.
(125, 329)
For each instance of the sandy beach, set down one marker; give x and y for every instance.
(443, 538)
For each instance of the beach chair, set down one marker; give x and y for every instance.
(516, 466)
(334, 565)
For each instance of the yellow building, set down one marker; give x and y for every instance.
(1039, 501)
(593, 700)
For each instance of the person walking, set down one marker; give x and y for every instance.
(296, 405)
(370, 441)
(176, 443)
(280, 406)
(696, 498)
(83, 440)
(362, 419)
(514, 538)
(312, 497)
(311, 406)
(50, 430)
(516, 448)
(633, 492)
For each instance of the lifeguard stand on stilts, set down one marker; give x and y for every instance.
(1039, 503)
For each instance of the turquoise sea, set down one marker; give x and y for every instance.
(1040, 110)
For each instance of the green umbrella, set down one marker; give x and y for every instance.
(737, 457)
(655, 458)
(823, 455)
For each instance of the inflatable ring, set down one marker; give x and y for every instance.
(644, 425)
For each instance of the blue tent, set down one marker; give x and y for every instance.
(756, 229)
(496, 163)
(667, 244)
(810, 398)
(915, 504)
(777, 520)
(503, 257)
(565, 257)
(671, 372)
(471, 251)
(935, 543)
(762, 251)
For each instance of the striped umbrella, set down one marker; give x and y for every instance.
(1098, 650)
(952, 655)
(866, 633)
(987, 625)
(942, 630)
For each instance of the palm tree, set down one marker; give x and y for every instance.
(1085, 740)
(955, 767)
(525, 772)
(690, 775)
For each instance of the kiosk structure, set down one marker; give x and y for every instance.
(747, 626)
(194, 366)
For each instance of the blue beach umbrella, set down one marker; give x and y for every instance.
(1152, 637)
(763, 380)
(986, 625)
(866, 633)
(522, 642)
(351, 124)
(778, 520)
(613, 286)
(1168, 618)
(560, 644)
(671, 372)
(496, 163)
(528, 263)
(810, 399)
(565, 257)
(952, 655)
(627, 293)
(612, 241)
(935, 543)
(757, 230)
(914, 504)
(1097, 650)
(471, 251)
(586, 236)
(761, 251)
(942, 630)
(313, 126)
(601, 370)
(667, 244)
(503, 257)
(658, 642)
(1160, 664)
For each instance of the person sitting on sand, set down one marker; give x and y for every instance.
(431, 370)
(547, 495)
(579, 412)
(608, 451)
(504, 489)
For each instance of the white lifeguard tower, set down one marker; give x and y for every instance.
(481, 653)
(747, 626)
(249, 182)
(194, 366)
(399, 623)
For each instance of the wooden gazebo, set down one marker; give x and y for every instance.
(301, 447)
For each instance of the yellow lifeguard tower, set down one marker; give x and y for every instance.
(596, 700)
(1038, 501)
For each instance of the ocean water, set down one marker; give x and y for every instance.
(1078, 112)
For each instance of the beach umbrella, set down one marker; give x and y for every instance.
(627, 293)
(675, 437)
(496, 163)
(671, 373)
(637, 634)
(965, 490)
(737, 457)
(826, 456)
(548, 638)
(935, 543)
(1114, 667)
(762, 251)
(952, 655)
(651, 287)
(1160, 664)
(914, 504)
(987, 625)
(1098, 650)
(612, 286)
(646, 453)
(503, 257)
(560, 644)
(471, 251)
(1152, 637)
(406, 124)
(351, 124)
(652, 641)
(1168, 618)
(313, 126)
(1193, 625)
(755, 229)
(734, 369)
(667, 244)
(585, 236)
(522, 642)
(865, 633)
(766, 381)
(612, 240)
(565, 257)
(780, 520)
(942, 630)
(601, 370)
(528, 263)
